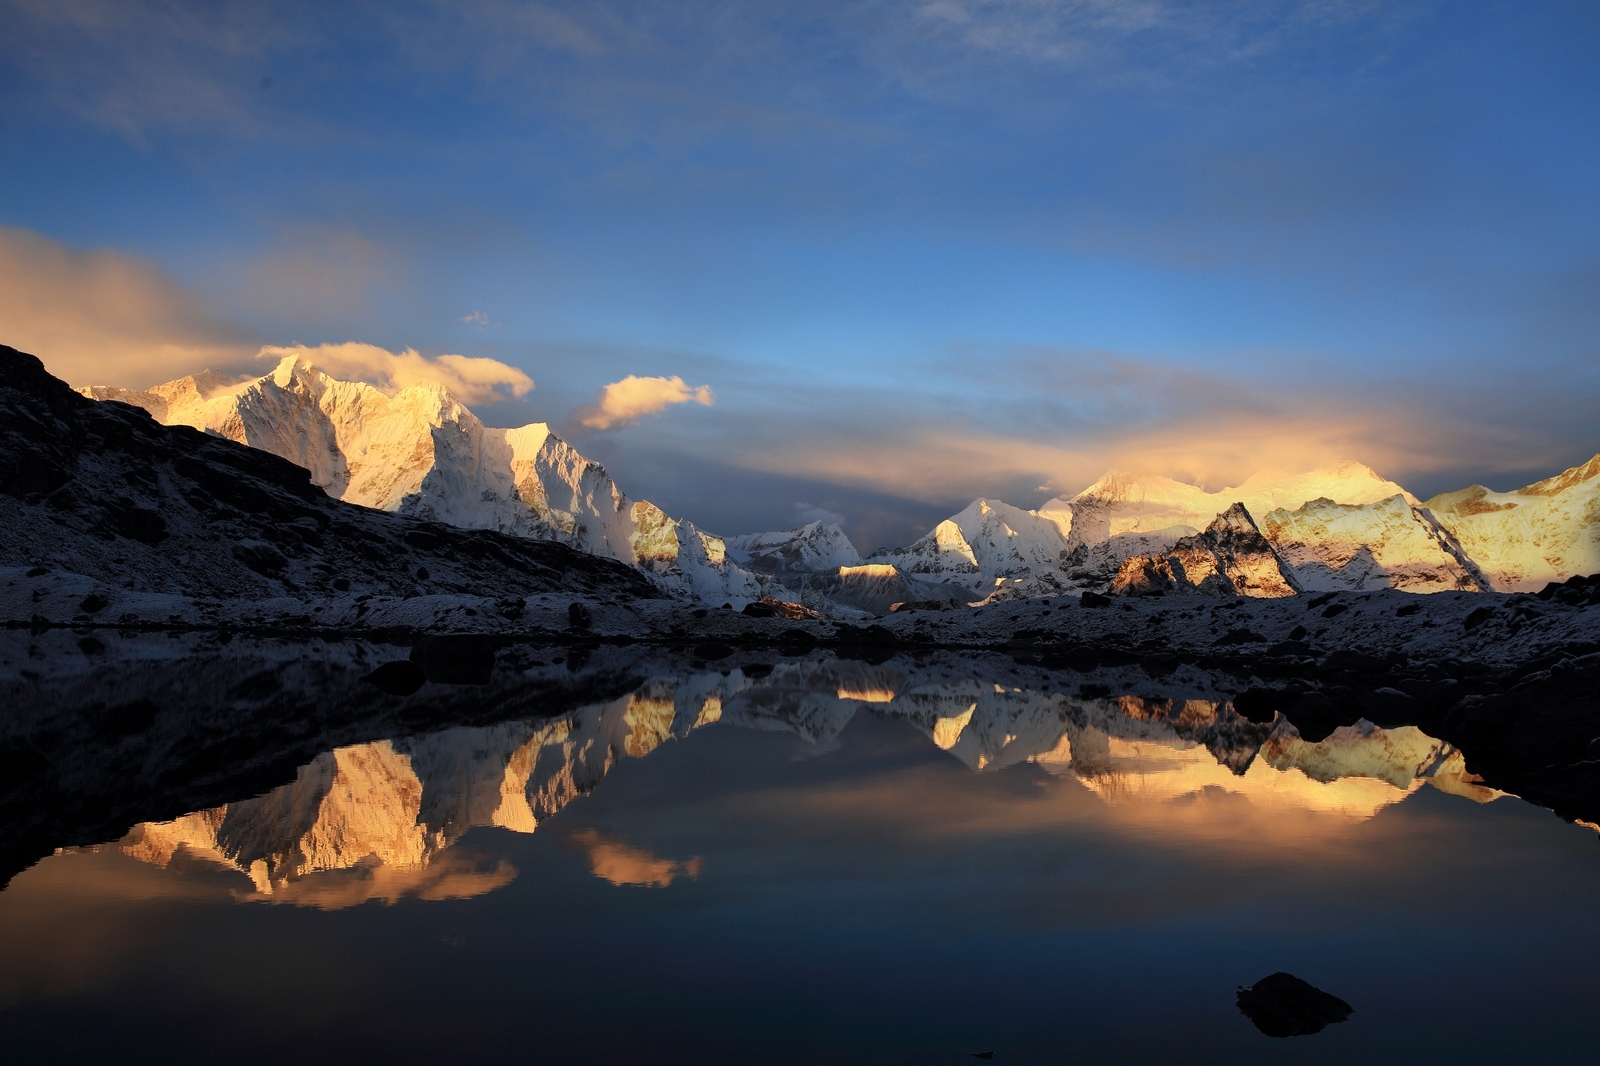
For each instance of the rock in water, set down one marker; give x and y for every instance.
(1283, 1005)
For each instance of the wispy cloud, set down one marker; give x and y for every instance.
(623, 402)
(1037, 424)
(104, 318)
(138, 67)
(806, 513)
(472, 379)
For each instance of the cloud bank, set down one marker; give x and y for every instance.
(626, 401)
(104, 318)
(471, 379)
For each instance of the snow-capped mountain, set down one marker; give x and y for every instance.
(1339, 527)
(813, 547)
(1231, 558)
(1547, 531)
(422, 453)
(1122, 503)
(1388, 544)
(988, 544)
(1000, 551)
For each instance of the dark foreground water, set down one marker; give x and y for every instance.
(815, 861)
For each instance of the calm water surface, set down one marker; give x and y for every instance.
(831, 862)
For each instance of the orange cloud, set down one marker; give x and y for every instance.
(106, 318)
(471, 379)
(630, 399)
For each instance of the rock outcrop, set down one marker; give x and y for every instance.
(1231, 558)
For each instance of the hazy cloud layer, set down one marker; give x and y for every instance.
(104, 318)
(473, 380)
(623, 402)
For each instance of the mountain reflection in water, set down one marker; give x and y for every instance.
(378, 820)
(615, 858)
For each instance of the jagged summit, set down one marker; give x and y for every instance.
(1543, 532)
(1387, 544)
(812, 547)
(986, 544)
(420, 451)
(1231, 558)
(166, 513)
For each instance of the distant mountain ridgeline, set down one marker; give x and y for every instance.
(421, 452)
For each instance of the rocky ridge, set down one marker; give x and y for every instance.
(162, 519)
(1342, 527)
(1231, 558)
(422, 453)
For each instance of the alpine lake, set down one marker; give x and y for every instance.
(269, 850)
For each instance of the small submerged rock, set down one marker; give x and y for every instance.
(1283, 1005)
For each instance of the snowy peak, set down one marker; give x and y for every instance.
(421, 452)
(1521, 540)
(1586, 473)
(813, 547)
(1231, 558)
(1348, 482)
(988, 540)
(690, 559)
(1143, 503)
(1388, 544)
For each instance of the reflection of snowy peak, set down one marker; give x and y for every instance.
(379, 820)
(394, 807)
(422, 453)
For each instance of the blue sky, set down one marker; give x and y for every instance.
(920, 251)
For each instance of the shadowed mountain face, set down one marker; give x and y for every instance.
(103, 489)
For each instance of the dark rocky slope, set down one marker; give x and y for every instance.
(103, 490)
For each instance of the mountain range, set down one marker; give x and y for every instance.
(421, 452)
